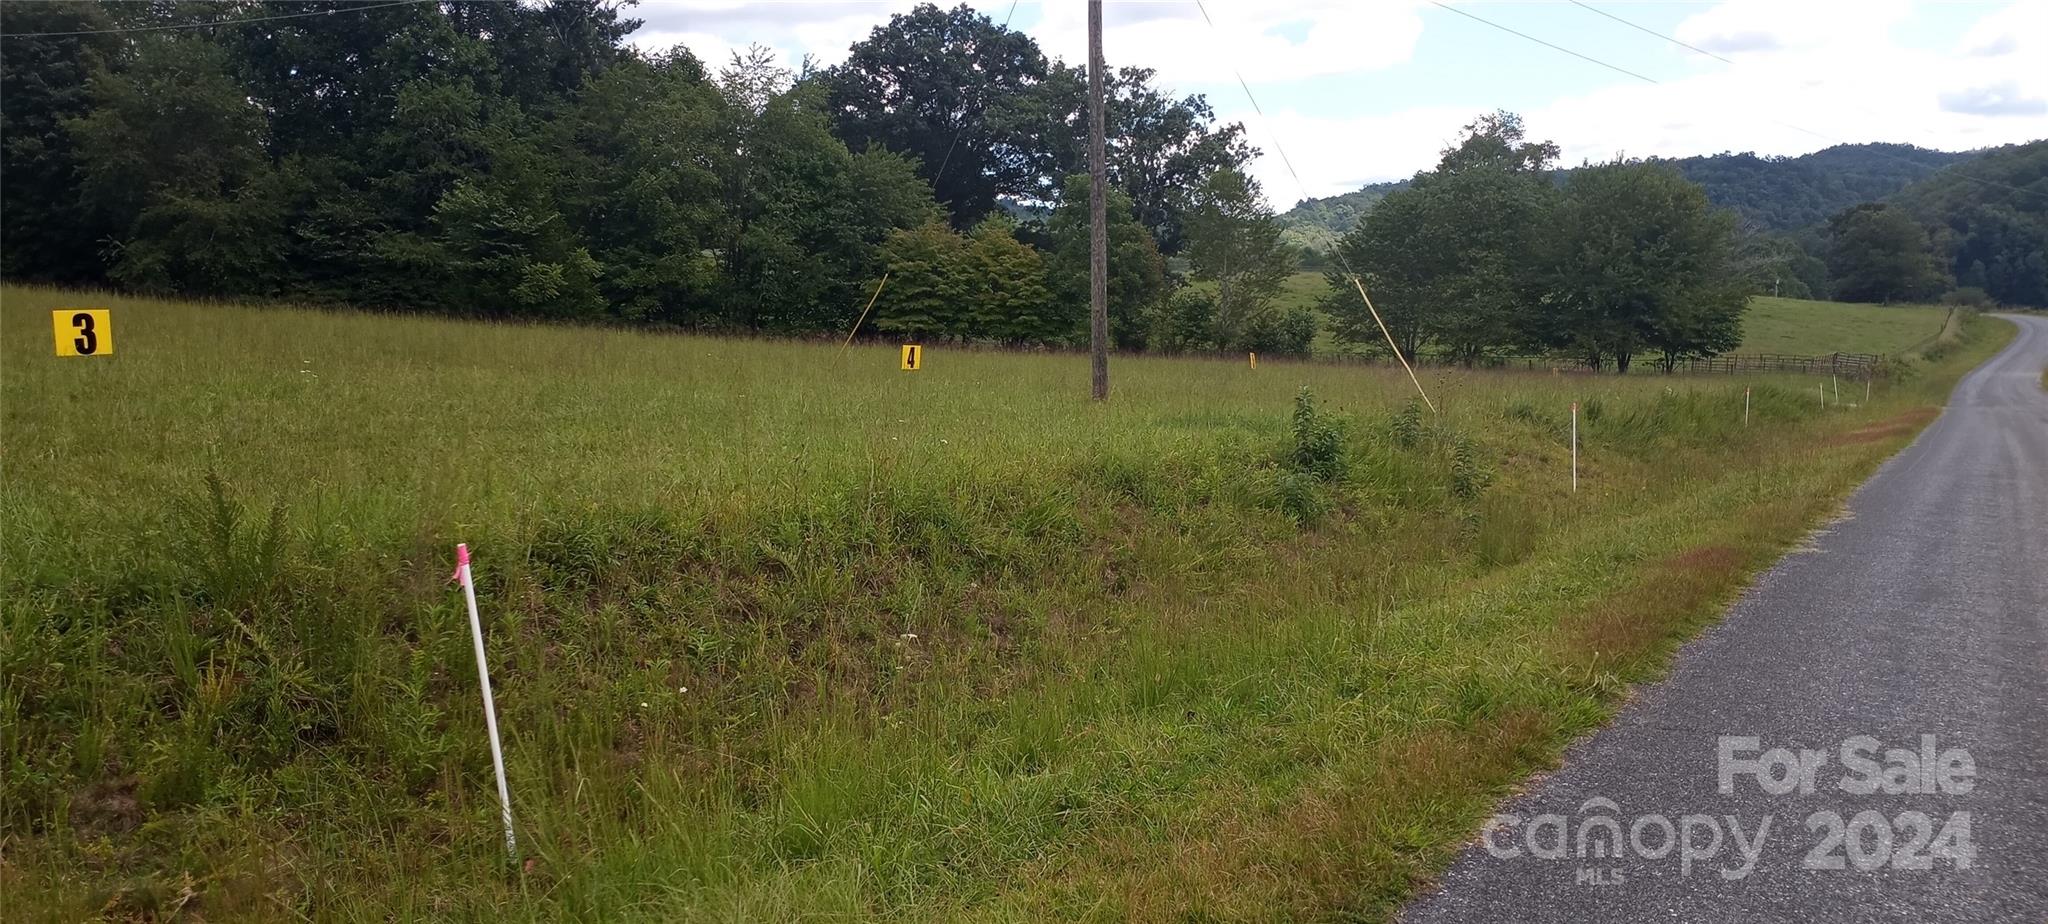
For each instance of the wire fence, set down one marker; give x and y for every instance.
(1846, 365)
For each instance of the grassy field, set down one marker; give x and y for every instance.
(1773, 325)
(1791, 325)
(781, 632)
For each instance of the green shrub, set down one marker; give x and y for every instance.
(1467, 476)
(1970, 297)
(1318, 440)
(1407, 428)
(1301, 497)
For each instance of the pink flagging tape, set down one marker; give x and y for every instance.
(461, 560)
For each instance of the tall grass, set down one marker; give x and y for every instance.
(781, 631)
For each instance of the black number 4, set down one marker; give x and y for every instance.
(87, 341)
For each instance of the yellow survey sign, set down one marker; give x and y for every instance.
(83, 331)
(913, 357)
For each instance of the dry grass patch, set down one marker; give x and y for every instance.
(1903, 424)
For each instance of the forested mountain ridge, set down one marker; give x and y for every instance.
(1788, 193)
(1770, 193)
(1859, 222)
(1338, 213)
(1989, 218)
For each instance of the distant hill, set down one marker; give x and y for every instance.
(1788, 193)
(1770, 193)
(1314, 224)
(1989, 216)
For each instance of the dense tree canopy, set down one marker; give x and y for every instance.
(522, 160)
(1234, 247)
(1989, 222)
(1985, 214)
(1787, 193)
(45, 84)
(1640, 262)
(967, 98)
(1453, 253)
(1880, 254)
(1485, 255)
(1137, 272)
(990, 118)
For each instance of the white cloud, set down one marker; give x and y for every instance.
(822, 29)
(1995, 99)
(1795, 87)
(1267, 42)
(1763, 26)
(2021, 27)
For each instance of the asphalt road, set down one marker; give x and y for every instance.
(1924, 613)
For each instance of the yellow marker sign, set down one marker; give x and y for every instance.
(83, 331)
(913, 357)
(1255, 359)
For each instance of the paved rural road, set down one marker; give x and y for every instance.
(1924, 613)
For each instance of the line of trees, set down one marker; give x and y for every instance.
(1488, 254)
(522, 160)
(1901, 224)
(1856, 222)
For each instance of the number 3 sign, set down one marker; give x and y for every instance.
(83, 331)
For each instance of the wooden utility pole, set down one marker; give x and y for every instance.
(1098, 220)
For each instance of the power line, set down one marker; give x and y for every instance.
(222, 22)
(1335, 250)
(1648, 31)
(1659, 82)
(1257, 109)
(1587, 58)
(957, 129)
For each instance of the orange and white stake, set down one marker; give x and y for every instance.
(483, 676)
(1575, 446)
(1745, 406)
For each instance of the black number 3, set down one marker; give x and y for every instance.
(87, 342)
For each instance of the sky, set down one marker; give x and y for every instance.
(1359, 91)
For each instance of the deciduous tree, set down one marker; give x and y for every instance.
(1452, 256)
(1234, 245)
(1137, 272)
(1639, 261)
(1880, 254)
(962, 96)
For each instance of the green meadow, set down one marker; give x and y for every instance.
(778, 630)
(1810, 328)
(1772, 325)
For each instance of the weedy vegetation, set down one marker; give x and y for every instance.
(778, 631)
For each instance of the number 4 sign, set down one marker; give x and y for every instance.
(83, 331)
